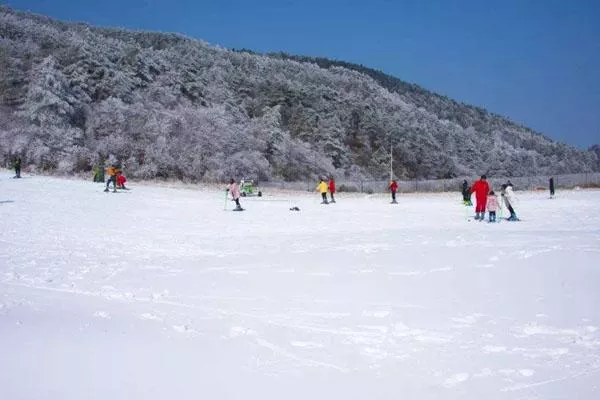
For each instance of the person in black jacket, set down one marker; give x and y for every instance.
(551, 185)
(18, 167)
(466, 192)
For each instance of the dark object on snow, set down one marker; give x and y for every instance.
(551, 184)
(295, 208)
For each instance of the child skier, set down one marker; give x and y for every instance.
(481, 188)
(509, 199)
(492, 206)
(121, 180)
(235, 194)
(393, 189)
(322, 188)
(331, 187)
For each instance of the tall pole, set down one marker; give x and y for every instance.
(391, 162)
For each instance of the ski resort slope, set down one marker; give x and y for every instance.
(159, 293)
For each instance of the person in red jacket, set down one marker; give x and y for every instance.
(121, 180)
(481, 188)
(331, 187)
(393, 188)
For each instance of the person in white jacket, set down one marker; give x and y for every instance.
(509, 200)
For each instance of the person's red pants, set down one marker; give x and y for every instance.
(481, 202)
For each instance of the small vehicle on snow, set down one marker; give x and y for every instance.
(249, 188)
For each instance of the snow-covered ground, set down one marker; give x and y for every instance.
(158, 293)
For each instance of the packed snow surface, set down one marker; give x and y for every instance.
(159, 293)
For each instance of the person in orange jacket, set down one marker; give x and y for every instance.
(331, 187)
(112, 177)
(481, 188)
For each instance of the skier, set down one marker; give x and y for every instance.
(235, 194)
(509, 200)
(112, 177)
(481, 188)
(551, 185)
(121, 179)
(17, 166)
(393, 186)
(98, 171)
(466, 193)
(492, 206)
(322, 188)
(331, 187)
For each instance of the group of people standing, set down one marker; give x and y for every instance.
(326, 187)
(487, 200)
(329, 187)
(115, 176)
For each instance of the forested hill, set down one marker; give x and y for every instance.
(442, 106)
(168, 106)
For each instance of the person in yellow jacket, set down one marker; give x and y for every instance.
(322, 188)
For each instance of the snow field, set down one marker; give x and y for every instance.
(159, 293)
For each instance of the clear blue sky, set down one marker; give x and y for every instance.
(534, 61)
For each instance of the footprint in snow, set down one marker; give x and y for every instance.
(307, 345)
(102, 314)
(183, 329)
(150, 317)
(527, 372)
(456, 379)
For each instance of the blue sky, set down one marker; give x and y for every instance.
(534, 61)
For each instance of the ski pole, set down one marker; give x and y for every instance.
(467, 211)
(225, 205)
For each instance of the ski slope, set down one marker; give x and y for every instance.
(158, 293)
